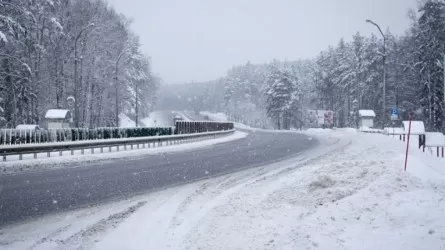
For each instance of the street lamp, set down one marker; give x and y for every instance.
(384, 69)
(76, 85)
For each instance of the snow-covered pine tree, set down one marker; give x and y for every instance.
(282, 96)
(430, 48)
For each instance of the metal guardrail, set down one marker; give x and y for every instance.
(48, 148)
(33, 136)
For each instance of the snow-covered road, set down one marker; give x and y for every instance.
(349, 193)
(73, 184)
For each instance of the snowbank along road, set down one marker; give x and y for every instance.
(30, 195)
(348, 192)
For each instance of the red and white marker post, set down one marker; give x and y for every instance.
(409, 133)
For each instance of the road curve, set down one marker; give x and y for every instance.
(31, 195)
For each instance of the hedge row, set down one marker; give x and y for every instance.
(15, 136)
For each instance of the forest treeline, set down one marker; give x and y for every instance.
(343, 78)
(69, 54)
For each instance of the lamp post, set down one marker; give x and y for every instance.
(76, 85)
(384, 70)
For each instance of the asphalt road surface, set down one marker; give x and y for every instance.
(31, 195)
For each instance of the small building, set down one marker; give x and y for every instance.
(366, 118)
(177, 118)
(58, 118)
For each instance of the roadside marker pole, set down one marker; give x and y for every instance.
(407, 144)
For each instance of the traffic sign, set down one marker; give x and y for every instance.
(394, 111)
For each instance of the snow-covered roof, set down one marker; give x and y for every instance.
(366, 113)
(434, 139)
(27, 127)
(57, 113)
(3, 37)
(417, 127)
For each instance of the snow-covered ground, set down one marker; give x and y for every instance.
(184, 116)
(28, 164)
(158, 119)
(223, 118)
(214, 116)
(155, 119)
(349, 193)
(126, 122)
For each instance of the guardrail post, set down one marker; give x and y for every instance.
(4, 158)
(72, 152)
(92, 151)
(20, 157)
(82, 151)
(437, 151)
(117, 148)
(125, 147)
(48, 154)
(35, 155)
(101, 150)
(60, 153)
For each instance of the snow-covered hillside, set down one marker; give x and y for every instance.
(126, 122)
(158, 119)
(349, 193)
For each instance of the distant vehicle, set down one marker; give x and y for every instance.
(177, 119)
(27, 127)
(206, 117)
(196, 112)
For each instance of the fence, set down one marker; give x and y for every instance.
(435, 140)
(427, 140)
(189, 127)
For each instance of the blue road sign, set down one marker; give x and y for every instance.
(394, 111)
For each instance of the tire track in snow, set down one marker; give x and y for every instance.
(85, 238)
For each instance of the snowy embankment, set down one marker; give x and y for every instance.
(158, 119)
(126, 122)
(349, 193)
(155, 119)
(223, 118)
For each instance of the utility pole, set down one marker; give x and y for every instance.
(384, 71)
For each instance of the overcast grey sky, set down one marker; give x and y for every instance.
(199, 40)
